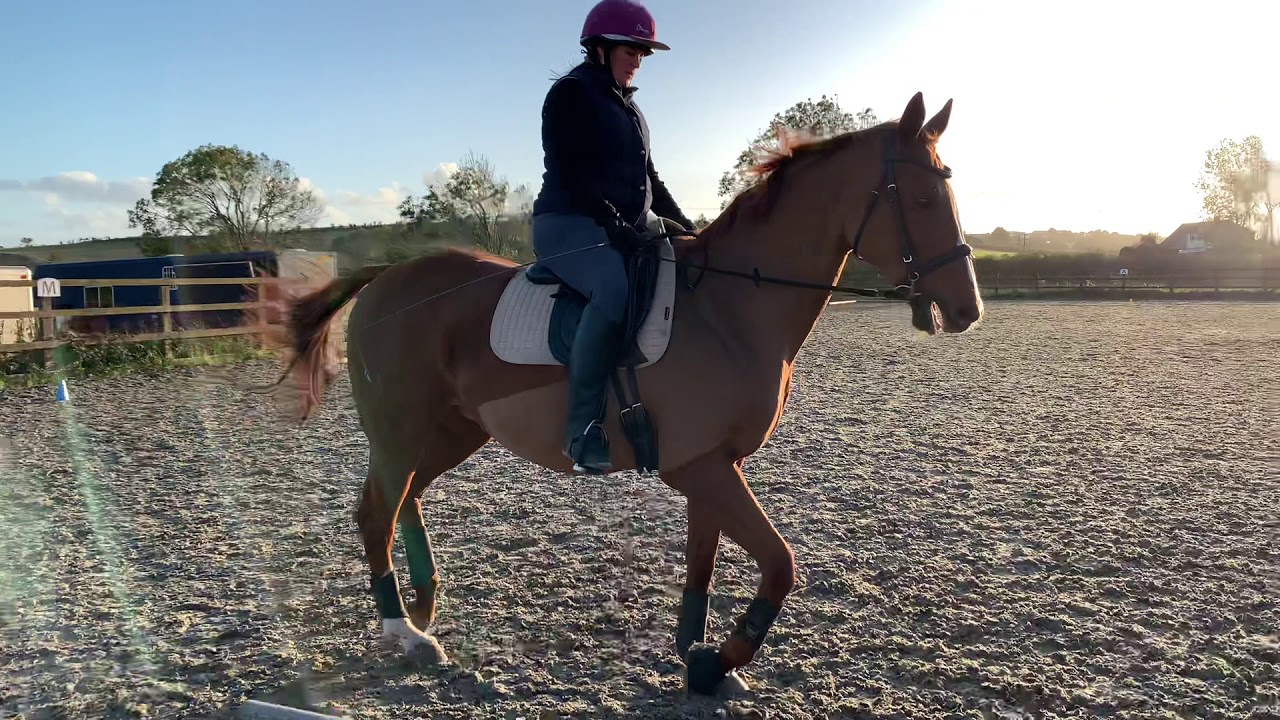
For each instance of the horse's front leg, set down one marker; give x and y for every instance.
(700, 563)
(715, 483)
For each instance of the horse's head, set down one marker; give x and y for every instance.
(910, 230)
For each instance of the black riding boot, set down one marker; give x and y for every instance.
(594, 355)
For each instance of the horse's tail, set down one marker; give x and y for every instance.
(307, 336)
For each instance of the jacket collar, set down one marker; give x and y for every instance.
(600, 74)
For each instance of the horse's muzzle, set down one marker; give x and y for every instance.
(925, 314)
(933, 316)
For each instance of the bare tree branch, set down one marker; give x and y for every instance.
(475, 198)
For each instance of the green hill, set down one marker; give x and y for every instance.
(355, 245)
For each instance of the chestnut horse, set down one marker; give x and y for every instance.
(430, 390)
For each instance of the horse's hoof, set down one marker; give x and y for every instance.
(703, 670)
(415, 644)
(428, 653)
(733, 684)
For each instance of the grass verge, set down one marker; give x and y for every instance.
(75, 360)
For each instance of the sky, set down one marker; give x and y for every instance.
(1077, 116)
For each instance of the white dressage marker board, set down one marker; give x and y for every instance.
(49, 287)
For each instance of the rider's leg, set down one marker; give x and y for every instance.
(594, 355)
(600, 275)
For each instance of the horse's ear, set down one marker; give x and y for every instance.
(912, 118)
(938, 122)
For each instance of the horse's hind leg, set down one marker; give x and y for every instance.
(448, 446)
(384, 492)
(422, 562)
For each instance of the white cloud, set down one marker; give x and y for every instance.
(71, 205)
(438, 177)
(81, 185)
(344, 207)
(95, 222)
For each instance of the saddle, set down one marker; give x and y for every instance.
(648, 267)
(642, 266)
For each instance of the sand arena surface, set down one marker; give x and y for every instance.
(1071, 512)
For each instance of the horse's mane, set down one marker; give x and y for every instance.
(778, 163)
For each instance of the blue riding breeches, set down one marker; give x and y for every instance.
(598, 273)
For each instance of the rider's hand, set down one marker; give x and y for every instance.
(622, 234)
(625, 235)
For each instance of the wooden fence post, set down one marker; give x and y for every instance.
(261, 310)
(49, 356)
(166, 322)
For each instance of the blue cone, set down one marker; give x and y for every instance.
(63, 395)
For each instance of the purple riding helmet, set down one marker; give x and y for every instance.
(625, 21)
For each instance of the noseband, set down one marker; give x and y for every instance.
(888, 180)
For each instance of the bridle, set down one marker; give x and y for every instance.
(915, 269)
(888, 179)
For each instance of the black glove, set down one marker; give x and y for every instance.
(684, 224)
(622, 234)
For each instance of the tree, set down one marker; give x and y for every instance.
(240, 199)
(701, 222)
(822, 119)
(26, 242)
(154, 245)
(476, 199)
(1267, 199)
(1238, 186)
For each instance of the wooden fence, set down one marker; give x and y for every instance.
(47, 339)
(259, 311)
(1208, 280)
(996, 281)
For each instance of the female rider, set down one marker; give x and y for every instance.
(599, 183)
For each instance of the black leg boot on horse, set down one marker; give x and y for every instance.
(594, 355)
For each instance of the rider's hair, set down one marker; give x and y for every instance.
(589, 50)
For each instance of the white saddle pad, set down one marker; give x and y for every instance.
(518, 333)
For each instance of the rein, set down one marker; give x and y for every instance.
(756, 278)
(901, 292)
